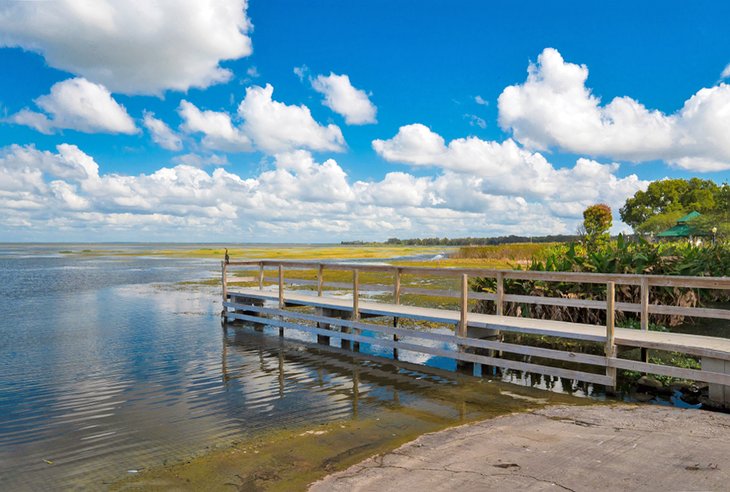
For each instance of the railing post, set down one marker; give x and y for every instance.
(224, 281)
(464, 305)
(499, 302)
(355, 294)
(396, 286)
(610, 348)
(261, 275)
(644, 313)
(320, 279)
(281, 287)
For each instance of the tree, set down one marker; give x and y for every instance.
(674, 197)
(597, 220)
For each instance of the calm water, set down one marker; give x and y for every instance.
(108, 368)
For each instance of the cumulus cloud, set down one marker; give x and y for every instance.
(133, 47)
(278, 127)
(554, 108)
(77, 104)
(197, 160)
(344, 99)
(161, 133)
(261, 124)
(219, 131)
(506, 169)
(64, 192)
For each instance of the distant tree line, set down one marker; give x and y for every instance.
(470, 241)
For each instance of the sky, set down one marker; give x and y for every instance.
(323, 121)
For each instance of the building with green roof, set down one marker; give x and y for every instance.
(683, 228)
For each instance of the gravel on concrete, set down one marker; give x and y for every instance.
(580, 448)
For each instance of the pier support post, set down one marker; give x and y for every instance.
(719, 395)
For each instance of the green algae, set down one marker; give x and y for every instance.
(291, 458)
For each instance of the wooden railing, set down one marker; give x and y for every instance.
(460, 291)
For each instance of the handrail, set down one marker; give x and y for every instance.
(576, 277)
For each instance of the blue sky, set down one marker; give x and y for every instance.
(362, 120)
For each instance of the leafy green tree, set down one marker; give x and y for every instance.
(597, 220)
(670, 196)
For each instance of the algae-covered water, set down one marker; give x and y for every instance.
(111, 372)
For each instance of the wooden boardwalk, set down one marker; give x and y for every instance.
(476, 338)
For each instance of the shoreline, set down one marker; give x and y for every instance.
(601, 447)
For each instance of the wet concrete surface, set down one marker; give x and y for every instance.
(604, 447)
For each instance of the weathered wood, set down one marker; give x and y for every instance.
(610, 328)
(396, 285)
(261, 275)
(672, 371)
(576, 277)
(281, 286)
(224, 280)
(464, 356)
(355, 294)
(320, 279)
(464, 305)
(645, 303)
(499, 301)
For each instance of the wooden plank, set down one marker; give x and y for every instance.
(355, 294)
(320, 279)
(499, 301)
(672, 371)
(480, 359)
(396, 285)
(281, 286)
(577, 277)
(610, 328)
(447, 293)
(464, 305)
(224, 280)
(715, 347)
(261, 276)
(562, 355)
(690, 311)
(645, 303)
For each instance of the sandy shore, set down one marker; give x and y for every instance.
(620, 447)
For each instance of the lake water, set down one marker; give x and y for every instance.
(108, 368)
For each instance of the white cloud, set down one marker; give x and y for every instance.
(77, 104)
(505, 169)
(726, 72)
(133, 47)
(554, 108)
(267, 125)
(301, 72)
(481, 101)
(219, 131)
(344, 99)
(64, 194)
(197, 160)
(277, 127)
(475, 120)
(161, 133)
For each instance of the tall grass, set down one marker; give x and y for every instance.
(518, 252)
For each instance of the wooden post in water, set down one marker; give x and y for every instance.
(610, 348)
(499, 302)
(261, 275)
(396, 301)
(644, 314)
(224, 285)
(320, 279)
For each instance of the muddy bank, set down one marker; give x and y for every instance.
(602, 447)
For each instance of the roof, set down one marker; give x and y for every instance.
(683, 228)
(688, 217)
(680, 230)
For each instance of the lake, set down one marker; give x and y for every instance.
(110, 368)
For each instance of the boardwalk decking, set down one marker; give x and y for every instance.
(475, 337)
